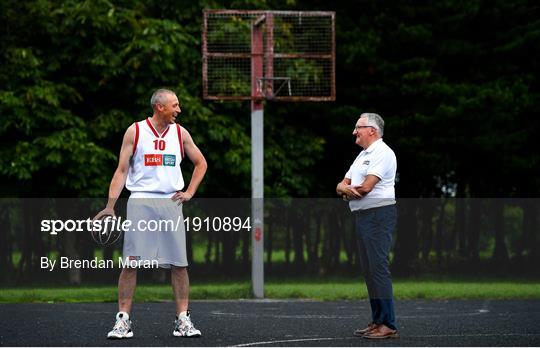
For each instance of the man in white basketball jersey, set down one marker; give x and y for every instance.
(149, 166)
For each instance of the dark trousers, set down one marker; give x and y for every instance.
(374, 228)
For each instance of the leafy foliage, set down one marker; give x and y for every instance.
(456, 82)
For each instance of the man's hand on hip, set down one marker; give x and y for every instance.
(181, 197)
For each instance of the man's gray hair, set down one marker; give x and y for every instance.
(159, 97)
(375, 121)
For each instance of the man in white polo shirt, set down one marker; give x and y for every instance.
(369, 188)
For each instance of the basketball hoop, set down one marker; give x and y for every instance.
(267, 55)
(244, 50)
(266, 86)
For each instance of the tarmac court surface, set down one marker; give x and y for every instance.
(273, 323)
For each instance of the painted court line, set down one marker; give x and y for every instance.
(286, 341)
(359, 338)
(352, 316)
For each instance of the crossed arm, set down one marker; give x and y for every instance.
(349, 192)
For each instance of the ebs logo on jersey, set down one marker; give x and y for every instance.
(159, 160)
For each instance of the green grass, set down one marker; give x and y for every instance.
(409, 289)
(327, 290)
(143, 293)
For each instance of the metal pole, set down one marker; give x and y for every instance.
(257, 161)
(257, 201)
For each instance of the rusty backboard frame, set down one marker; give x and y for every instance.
(273, 55)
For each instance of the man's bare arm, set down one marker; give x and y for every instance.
(120, 175)
(200, 166)
(346, 191)
(367, 185)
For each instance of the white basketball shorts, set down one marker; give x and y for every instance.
(157, 231)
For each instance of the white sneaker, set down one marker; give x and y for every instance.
(183, 327)
(122, 327)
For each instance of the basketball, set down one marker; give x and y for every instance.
(104, 231)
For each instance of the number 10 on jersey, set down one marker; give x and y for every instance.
(159, 144)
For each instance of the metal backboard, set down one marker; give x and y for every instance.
(278, 55)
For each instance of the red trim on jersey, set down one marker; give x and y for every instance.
(155, 131)
(152, 128)
(165, 133)
(180, 140)
(136, 140)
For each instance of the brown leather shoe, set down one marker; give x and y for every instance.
(362, 332)
(381, 331)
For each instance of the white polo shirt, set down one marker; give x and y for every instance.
(379, 160)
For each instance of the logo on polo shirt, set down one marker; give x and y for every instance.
(159, 160)
(366, 162)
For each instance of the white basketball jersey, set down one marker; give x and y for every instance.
(155, 164)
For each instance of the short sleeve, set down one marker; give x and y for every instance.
(380, 164)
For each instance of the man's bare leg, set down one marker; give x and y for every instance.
(180, 285)
(126, 289)
(183, 327)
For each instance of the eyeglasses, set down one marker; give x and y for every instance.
(358, 127)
